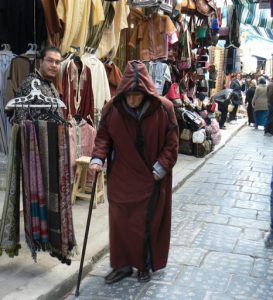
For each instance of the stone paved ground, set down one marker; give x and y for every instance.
(220, 219)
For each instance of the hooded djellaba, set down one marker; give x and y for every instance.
(137, 144)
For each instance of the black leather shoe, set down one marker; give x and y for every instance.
(117, 275)
(144, 276)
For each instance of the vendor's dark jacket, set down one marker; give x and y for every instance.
(138, 213)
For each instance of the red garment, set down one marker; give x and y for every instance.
(114, 75)
(77, 91)
(130, 182)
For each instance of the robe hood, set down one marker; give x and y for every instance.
(137, 78)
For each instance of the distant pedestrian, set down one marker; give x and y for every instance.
(259, 103)
(138, 133)
(248, 101)
(269, 239)
(268, 130)
(237, 98)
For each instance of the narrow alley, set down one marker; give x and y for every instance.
(220, 219)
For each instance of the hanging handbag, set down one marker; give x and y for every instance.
(184, 63)
(223, 32)
(205, 7)
(186, 7)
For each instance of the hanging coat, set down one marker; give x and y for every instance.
(139, 206)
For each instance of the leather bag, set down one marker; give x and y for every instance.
(187, 7)
(205, 7)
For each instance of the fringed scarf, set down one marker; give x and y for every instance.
(9, 227)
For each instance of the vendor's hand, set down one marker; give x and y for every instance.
(156, 177)
(96, 168)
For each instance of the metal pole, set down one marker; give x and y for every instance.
(86, 233)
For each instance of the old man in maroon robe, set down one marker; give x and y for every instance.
(138, 134)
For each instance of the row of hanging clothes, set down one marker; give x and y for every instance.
(87, 84)
(39, 158)
(13, 70)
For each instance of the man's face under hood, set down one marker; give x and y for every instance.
(134, 99)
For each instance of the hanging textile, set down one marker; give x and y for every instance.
(96, 30)
(75, 16)
(149, 35)
(5, 60)
(77, 91)
(111, 34)
(100, 84)
(9, 226)
(55, 27)
(114, 76)
(43, 148)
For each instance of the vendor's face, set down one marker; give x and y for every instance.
(50, 65)
(134, 99)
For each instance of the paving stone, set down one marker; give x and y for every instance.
(252, 190)
(243, 183)
(185, 233)
(253, 248)
(239, 167)
(102, 268)
(252, 234)
(260, 198)
(208, 279)
(263, 170)
(239, 212)
(228, 187)
(217, 237)
(252, 205)
(253, 288)
(95, 288)
(186, 256)
(212, 218)
(261, 185)
(163, 291)
(266, 179)
(180, 218)
(228, 262)
(199, 208)
(248, 223)
(168, 274)
(228, 181)
(263, 215)
(237, 195)
(263, 268)
(218, 296)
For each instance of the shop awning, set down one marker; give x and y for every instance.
(259, 21)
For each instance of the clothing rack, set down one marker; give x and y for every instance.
(35, 99)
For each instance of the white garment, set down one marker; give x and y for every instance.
(100, 83)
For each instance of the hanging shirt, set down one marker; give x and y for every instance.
(111, 35)
(160, 73)
(75, 15)
(77, 91)
(100, 84)
(149, 35)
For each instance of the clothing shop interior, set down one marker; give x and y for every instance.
(188, 48)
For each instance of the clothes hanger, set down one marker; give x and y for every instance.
(32, 50)
(6, 49)
(35, 95)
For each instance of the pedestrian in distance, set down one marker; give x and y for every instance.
(237, 98)
(138, 134)
(268, 129)
(248, 101)
(260, 104)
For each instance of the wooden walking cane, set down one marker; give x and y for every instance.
(86, 232)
